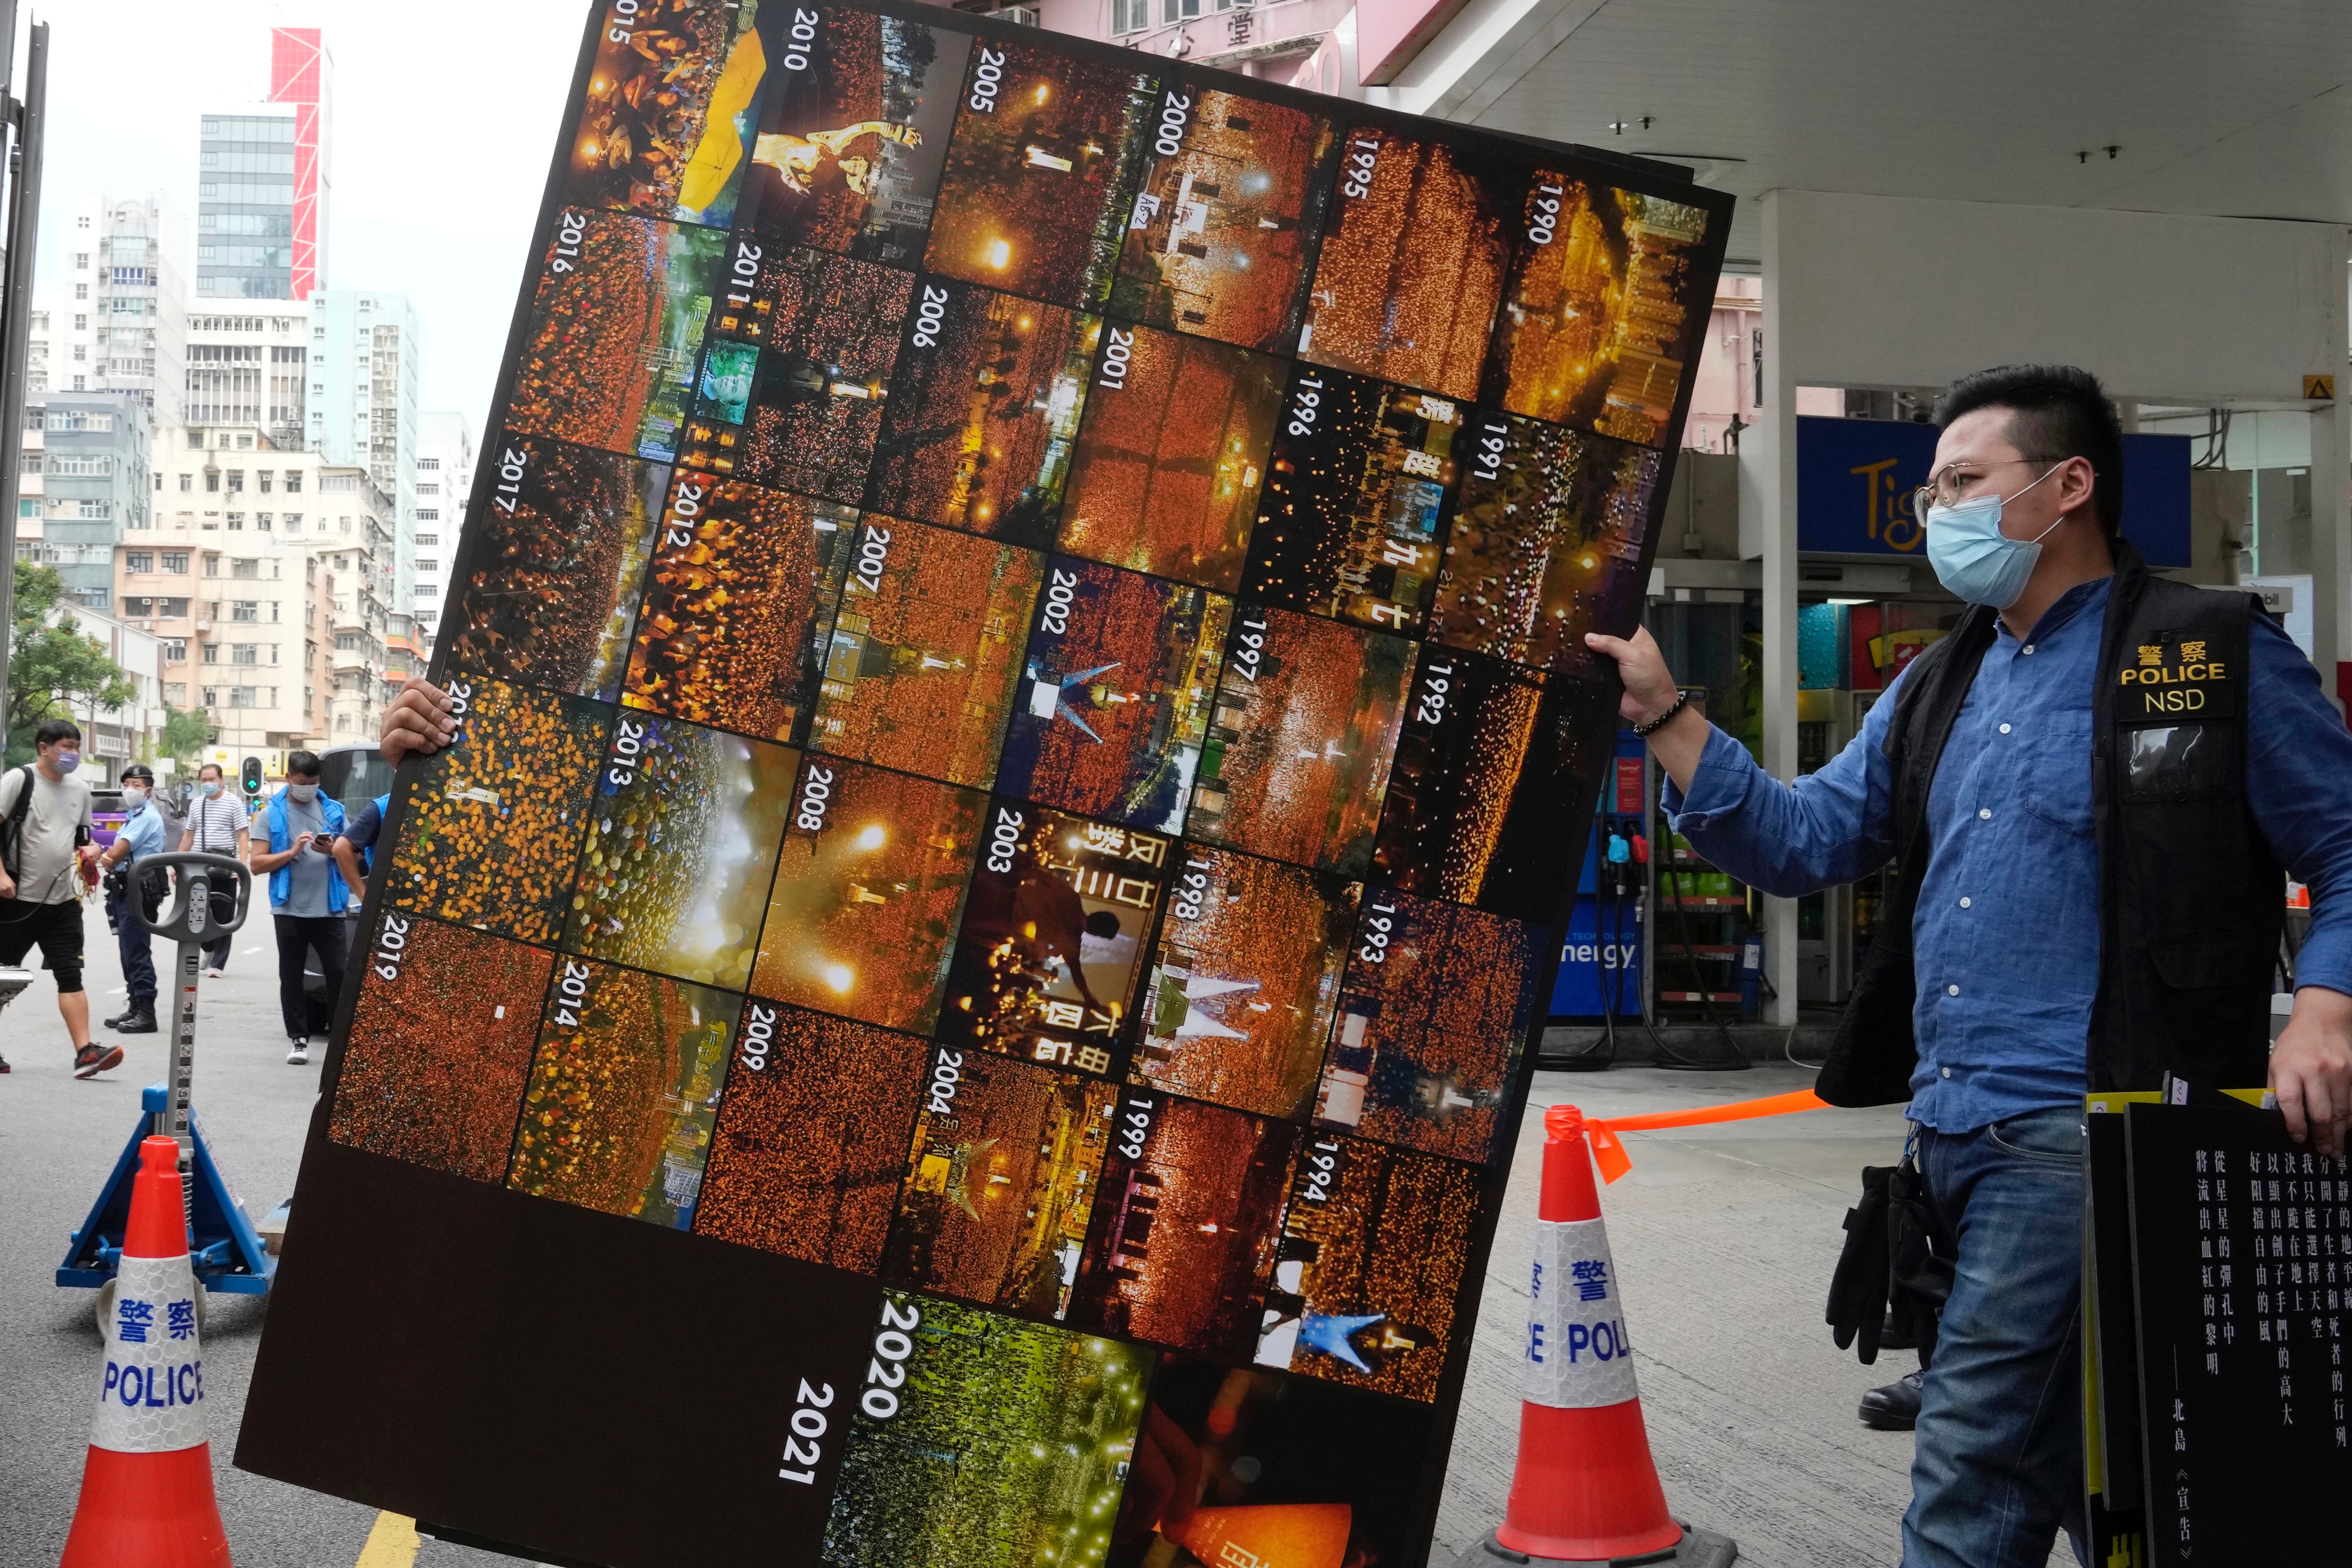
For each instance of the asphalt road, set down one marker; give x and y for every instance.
(1725, 1237)
(58, 1139)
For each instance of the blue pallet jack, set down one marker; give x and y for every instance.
(225, 1251)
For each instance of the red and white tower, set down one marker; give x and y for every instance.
(301, 74)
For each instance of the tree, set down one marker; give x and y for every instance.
(52, 666)
(185, 733)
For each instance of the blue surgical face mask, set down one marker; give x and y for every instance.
(212, 788)
(1974, 560)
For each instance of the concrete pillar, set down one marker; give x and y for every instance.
(1774, 494)
(2331, 512)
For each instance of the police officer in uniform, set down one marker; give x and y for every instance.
(2091, 788)
(144, 832)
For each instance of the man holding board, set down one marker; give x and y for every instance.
(2091, 787)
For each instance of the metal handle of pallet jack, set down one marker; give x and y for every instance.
(189, 916)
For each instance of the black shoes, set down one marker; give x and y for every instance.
(140, 1020)
(1895, 1408)
(94, 1058)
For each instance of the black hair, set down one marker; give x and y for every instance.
(213, 768)
(2056, 411)
(1103, 925)
(52, 731)
(304, 763)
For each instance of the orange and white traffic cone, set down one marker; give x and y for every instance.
(147, 1485)
(1586, 1490)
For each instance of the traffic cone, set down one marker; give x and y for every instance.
(1586, 1490)
(147, 1485)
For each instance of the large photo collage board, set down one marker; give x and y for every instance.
(1024, 729)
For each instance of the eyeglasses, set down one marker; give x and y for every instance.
(1947, 484)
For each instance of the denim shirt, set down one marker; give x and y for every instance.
(2005, 935)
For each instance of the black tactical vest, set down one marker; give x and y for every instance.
(2190, 900)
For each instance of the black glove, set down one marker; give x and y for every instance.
(1857, 1308)
(1920, 1281)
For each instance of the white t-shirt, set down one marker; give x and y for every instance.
(45, 868)
(216, 820)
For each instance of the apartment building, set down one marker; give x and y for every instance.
(266, 571)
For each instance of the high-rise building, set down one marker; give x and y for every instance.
(248, 366)
(445, 479)
(95, 487)
(362, 403)
(263, 181)
(124, 323)
(265, 575)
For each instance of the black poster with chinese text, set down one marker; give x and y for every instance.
(962, 995)
(2242, 1274)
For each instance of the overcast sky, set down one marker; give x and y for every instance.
(444, 120)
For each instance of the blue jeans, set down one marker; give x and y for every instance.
(1997, 1469)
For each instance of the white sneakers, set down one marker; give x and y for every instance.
(214, 973)
(300, 1055)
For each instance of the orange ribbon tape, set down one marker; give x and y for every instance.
(1610, 1156)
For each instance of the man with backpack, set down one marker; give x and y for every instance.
(45, 859)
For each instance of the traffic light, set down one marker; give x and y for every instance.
(252, 775)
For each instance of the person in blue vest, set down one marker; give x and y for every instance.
(307, 893)
(355, 845)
